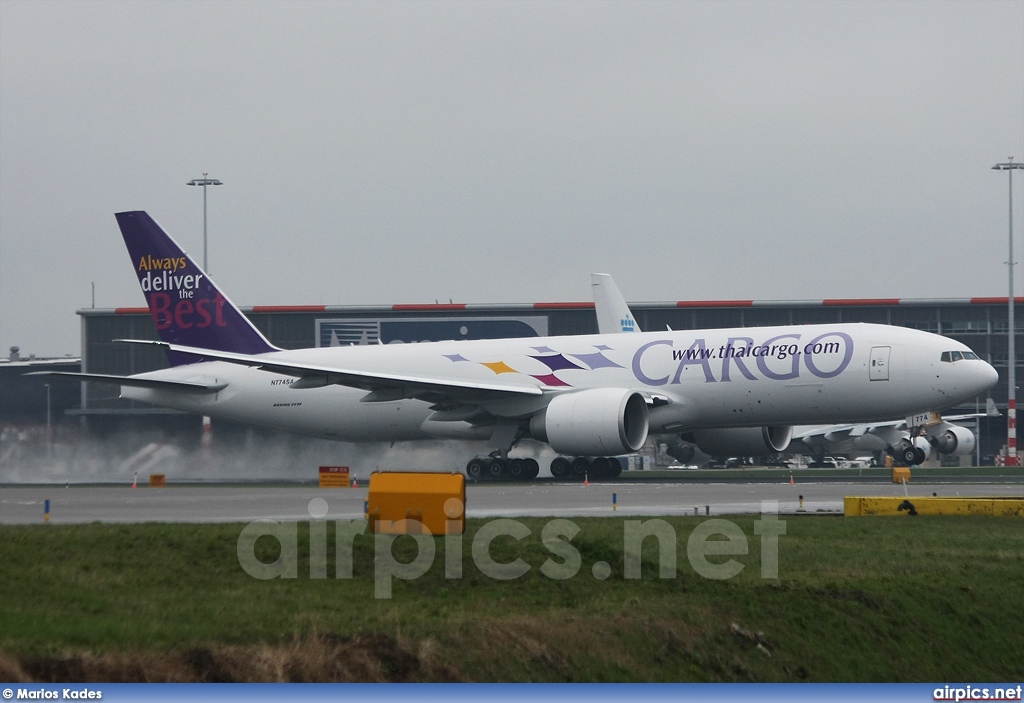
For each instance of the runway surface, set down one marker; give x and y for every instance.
(211, 503)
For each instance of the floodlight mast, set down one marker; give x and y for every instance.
(204, 181)
(1011, 376)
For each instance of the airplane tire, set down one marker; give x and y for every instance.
(497, 469)
(475, 469)
(559, 467)
(579, 467)
(909, 456)
(919, 456)
(532, 469)
(616, 467)
(600, 467)
(517, 469)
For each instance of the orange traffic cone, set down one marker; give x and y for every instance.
(135, 480)
(791, 481)
(586, 480)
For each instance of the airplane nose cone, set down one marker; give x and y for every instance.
(987, 376)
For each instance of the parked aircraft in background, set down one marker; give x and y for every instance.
(942, 437)
(910, 445)
(589, 397)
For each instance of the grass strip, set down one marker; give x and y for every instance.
(888, 599)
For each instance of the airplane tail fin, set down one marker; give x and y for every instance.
(613, 315)
(186, 305)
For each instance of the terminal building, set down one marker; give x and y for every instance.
(980, 323)
(30, 400)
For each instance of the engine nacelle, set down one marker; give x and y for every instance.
(923, 444)
(956, 440)
(595, 422)
(744, 441)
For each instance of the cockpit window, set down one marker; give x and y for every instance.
(957, 356)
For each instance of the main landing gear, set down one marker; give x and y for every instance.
(581, 467)
(495, 468)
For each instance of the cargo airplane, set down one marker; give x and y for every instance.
(589, 397)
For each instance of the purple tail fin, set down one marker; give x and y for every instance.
(185, 304)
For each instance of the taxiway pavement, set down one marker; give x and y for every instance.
(243, 503)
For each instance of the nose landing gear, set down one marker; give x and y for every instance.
(907, 454)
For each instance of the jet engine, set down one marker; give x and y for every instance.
(956, 440)
(744, 441)
(594, 422)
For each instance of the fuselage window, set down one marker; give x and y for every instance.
(957, 356)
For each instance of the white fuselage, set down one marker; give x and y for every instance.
(696, 379)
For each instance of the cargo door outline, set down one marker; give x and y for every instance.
(878, 368)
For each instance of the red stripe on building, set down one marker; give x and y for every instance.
(289, 308)
(563, 306)
(715, 304)
(996, 301)
(428, 307)
(131, 311)
(861, 301)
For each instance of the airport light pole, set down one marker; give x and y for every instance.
(1011, 396)
(204, 181)
(49, 424)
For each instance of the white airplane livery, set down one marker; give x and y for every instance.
(589, 397)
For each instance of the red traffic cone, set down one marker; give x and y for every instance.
(355, 482)
(586, 480)
(791, 481)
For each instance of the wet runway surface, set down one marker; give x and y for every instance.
(214, 503)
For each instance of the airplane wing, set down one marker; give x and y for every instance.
(154, 383)
(834, 432)
(835, 437)
(887, 431)
(951, 418)
(381, 386)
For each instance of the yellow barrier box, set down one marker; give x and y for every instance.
(416, 503)
(929, 505)
(334, 477)
(157, 481)
(899, 473)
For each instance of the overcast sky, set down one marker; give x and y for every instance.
(490, 152)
